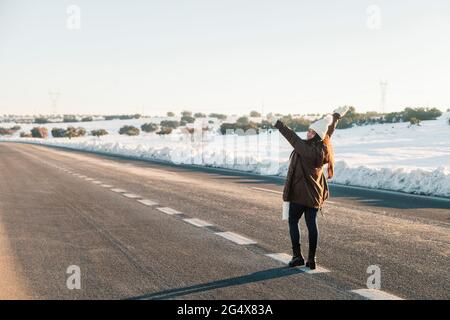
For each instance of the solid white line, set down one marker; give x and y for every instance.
(132, 195)
(119, 190)
(374, 294)
(236, 238)
(168, 211)
(148, 202)
(285, 258)
(198, 222)
(267, 190)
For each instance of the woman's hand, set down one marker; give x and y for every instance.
(341, 111)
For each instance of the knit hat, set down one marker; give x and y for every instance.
(321, 126)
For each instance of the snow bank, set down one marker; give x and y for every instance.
(389, 156)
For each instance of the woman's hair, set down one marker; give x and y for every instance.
(329, 156)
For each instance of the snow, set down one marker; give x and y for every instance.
(383, 156)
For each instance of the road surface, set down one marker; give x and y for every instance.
(201, 234)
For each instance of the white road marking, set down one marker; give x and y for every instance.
(106, 186)
(97, 182)
(285, 258)
(267, 190)
(168, 211)
(88, 179)
(132, 195)
(374, 294)
(236, 238)
(148, 202)
(119, 190)
(198, 222)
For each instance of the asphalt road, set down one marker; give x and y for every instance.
(58, 209)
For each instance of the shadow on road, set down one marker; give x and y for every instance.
(251, 278)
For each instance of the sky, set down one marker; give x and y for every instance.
(227, 56)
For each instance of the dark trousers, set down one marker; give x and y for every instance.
(295, 213)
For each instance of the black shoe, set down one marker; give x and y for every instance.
(311, 264)
(297, 258)
(296, 262)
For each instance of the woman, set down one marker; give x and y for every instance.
(306, 188)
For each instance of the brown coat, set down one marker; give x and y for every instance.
(305, 181)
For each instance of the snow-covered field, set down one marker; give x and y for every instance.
(389, 156)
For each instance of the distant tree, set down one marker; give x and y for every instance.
(98, 133)
(129, 130)
(186, 113)
(218, 116)
(41, 120)
(255, 114)
(187, 119)
(70, 118)
(149, 127)
(87, 119)
(421, 113)
(199, 115)
(170, 114)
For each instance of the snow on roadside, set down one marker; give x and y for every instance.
(390, 156)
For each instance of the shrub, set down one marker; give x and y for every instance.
(149, 127)
(165, 130)
(296, 124)
(41, 120)
(170, 124)
(39, 132)
(170, 114)
(87, 119)
(68, 118)
(199, 115)
(6, 132)
(99, 133)
(421, 113)
(129, 130)
(25, 135)
(414, 121)
(186, 113)
(73, 132)
(218, 116)
(16, 128)
(187, 119)
(58, 133)
(243, 125)
(255, 114)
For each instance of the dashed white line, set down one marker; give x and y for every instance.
(374, 294)
(285, 258)
(118, 190)
(168, 210)
(198, 223)
(89, 179)
(236, 238)
(132, 195)
(267, 190)
(148, 202)
(97, 182)
(106, 186)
